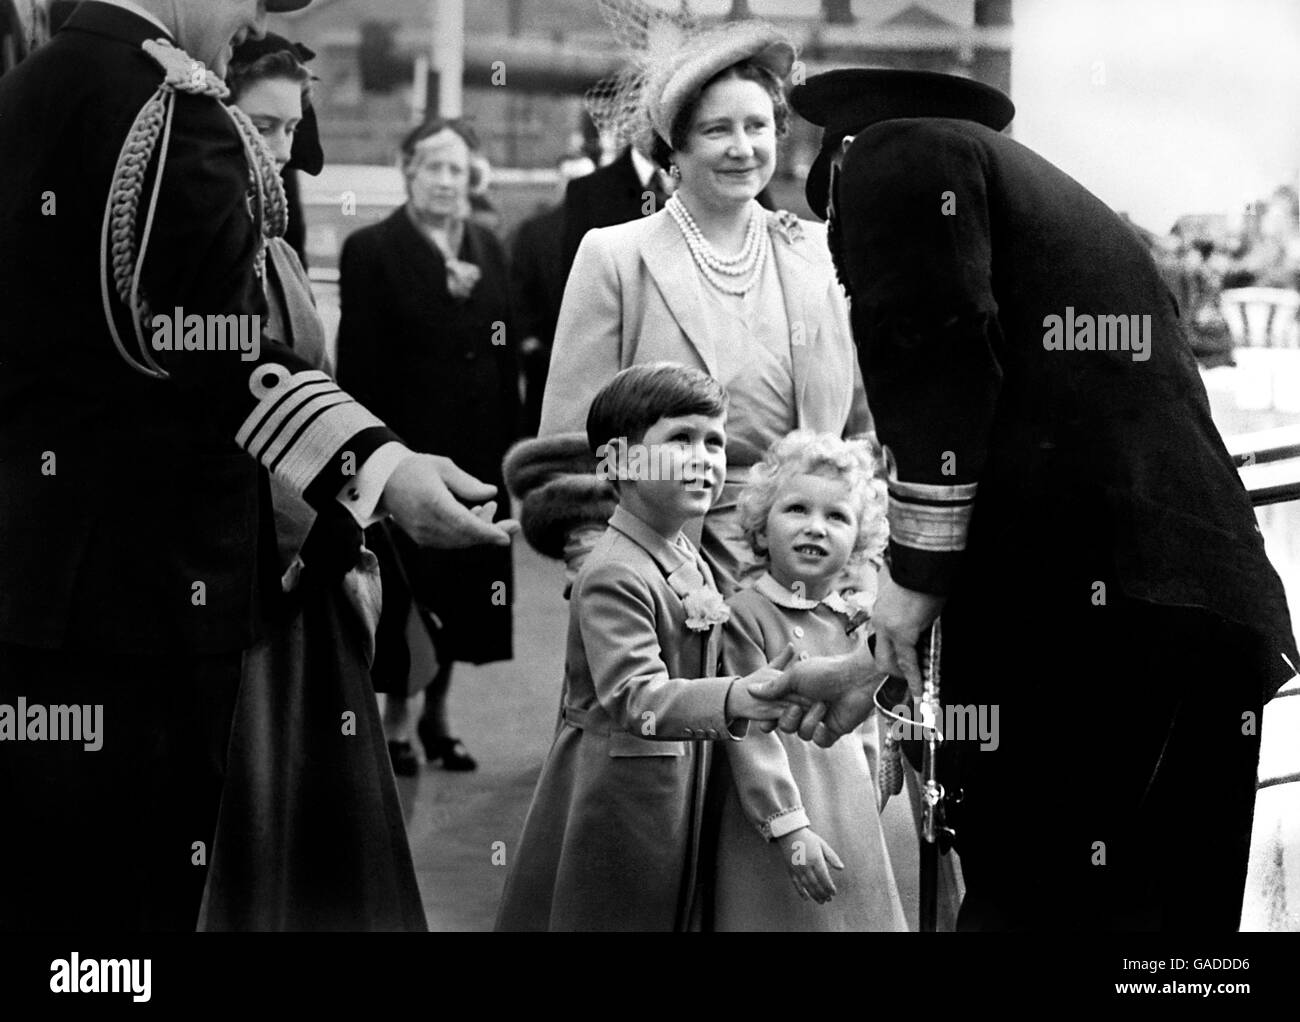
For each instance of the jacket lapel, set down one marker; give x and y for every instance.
(684, 572)
(803, 284)
(417, 257)
(671, 266)
(675, 563)
(625, 198)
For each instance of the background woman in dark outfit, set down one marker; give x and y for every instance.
(426, 337)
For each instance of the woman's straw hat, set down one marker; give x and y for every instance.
(684, 74)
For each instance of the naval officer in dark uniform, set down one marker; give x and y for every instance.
(1060, 493)
(132, 477)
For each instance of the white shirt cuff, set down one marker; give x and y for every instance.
(361, 494)
(787, 821)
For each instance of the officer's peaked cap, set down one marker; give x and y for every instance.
(847, 101)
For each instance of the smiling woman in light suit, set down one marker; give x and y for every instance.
(712, 281)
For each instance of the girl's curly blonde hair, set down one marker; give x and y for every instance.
(859, 462)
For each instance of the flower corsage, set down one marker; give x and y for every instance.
(789, 226)
(705, 608)
(859, 605)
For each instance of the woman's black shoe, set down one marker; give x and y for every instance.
(450, 751)
(405, 762)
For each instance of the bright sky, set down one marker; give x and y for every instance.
(1196, 109)
(870, 11)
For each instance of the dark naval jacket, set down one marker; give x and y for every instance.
(1027, 369)
(129, 504)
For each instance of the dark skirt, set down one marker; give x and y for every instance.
(311, 834)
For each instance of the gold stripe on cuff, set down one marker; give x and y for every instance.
(307, 412)
(270, 383)
(309, 453)
(930, 491)
(939, 529)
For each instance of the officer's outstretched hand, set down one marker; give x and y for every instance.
(829, 695)
(899, 618)
(419, 496)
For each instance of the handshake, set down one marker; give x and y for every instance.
(824, 698)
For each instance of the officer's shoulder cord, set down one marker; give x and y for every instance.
(266, 191)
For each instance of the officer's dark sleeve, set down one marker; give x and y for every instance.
(200, 258)
(915, 221)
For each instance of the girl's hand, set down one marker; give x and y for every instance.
(808, 859)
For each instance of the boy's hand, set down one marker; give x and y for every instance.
(741, 703)
(808, 859)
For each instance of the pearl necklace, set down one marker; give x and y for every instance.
(733, 275)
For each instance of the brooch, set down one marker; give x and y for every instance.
(789, 226)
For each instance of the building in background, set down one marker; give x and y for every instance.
(527, 63)
(24, 25)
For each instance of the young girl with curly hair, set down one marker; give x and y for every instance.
(800, 845)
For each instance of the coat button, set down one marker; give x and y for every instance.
(471, 355)
(803, 656)
(798, 632)
(713, 732)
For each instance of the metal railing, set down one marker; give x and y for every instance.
(1269, 464)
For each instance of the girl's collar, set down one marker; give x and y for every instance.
(772, 589)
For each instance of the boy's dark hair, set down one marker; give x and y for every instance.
(661, 151)
(641, 395)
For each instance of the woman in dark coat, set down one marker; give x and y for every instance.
(426, 340)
